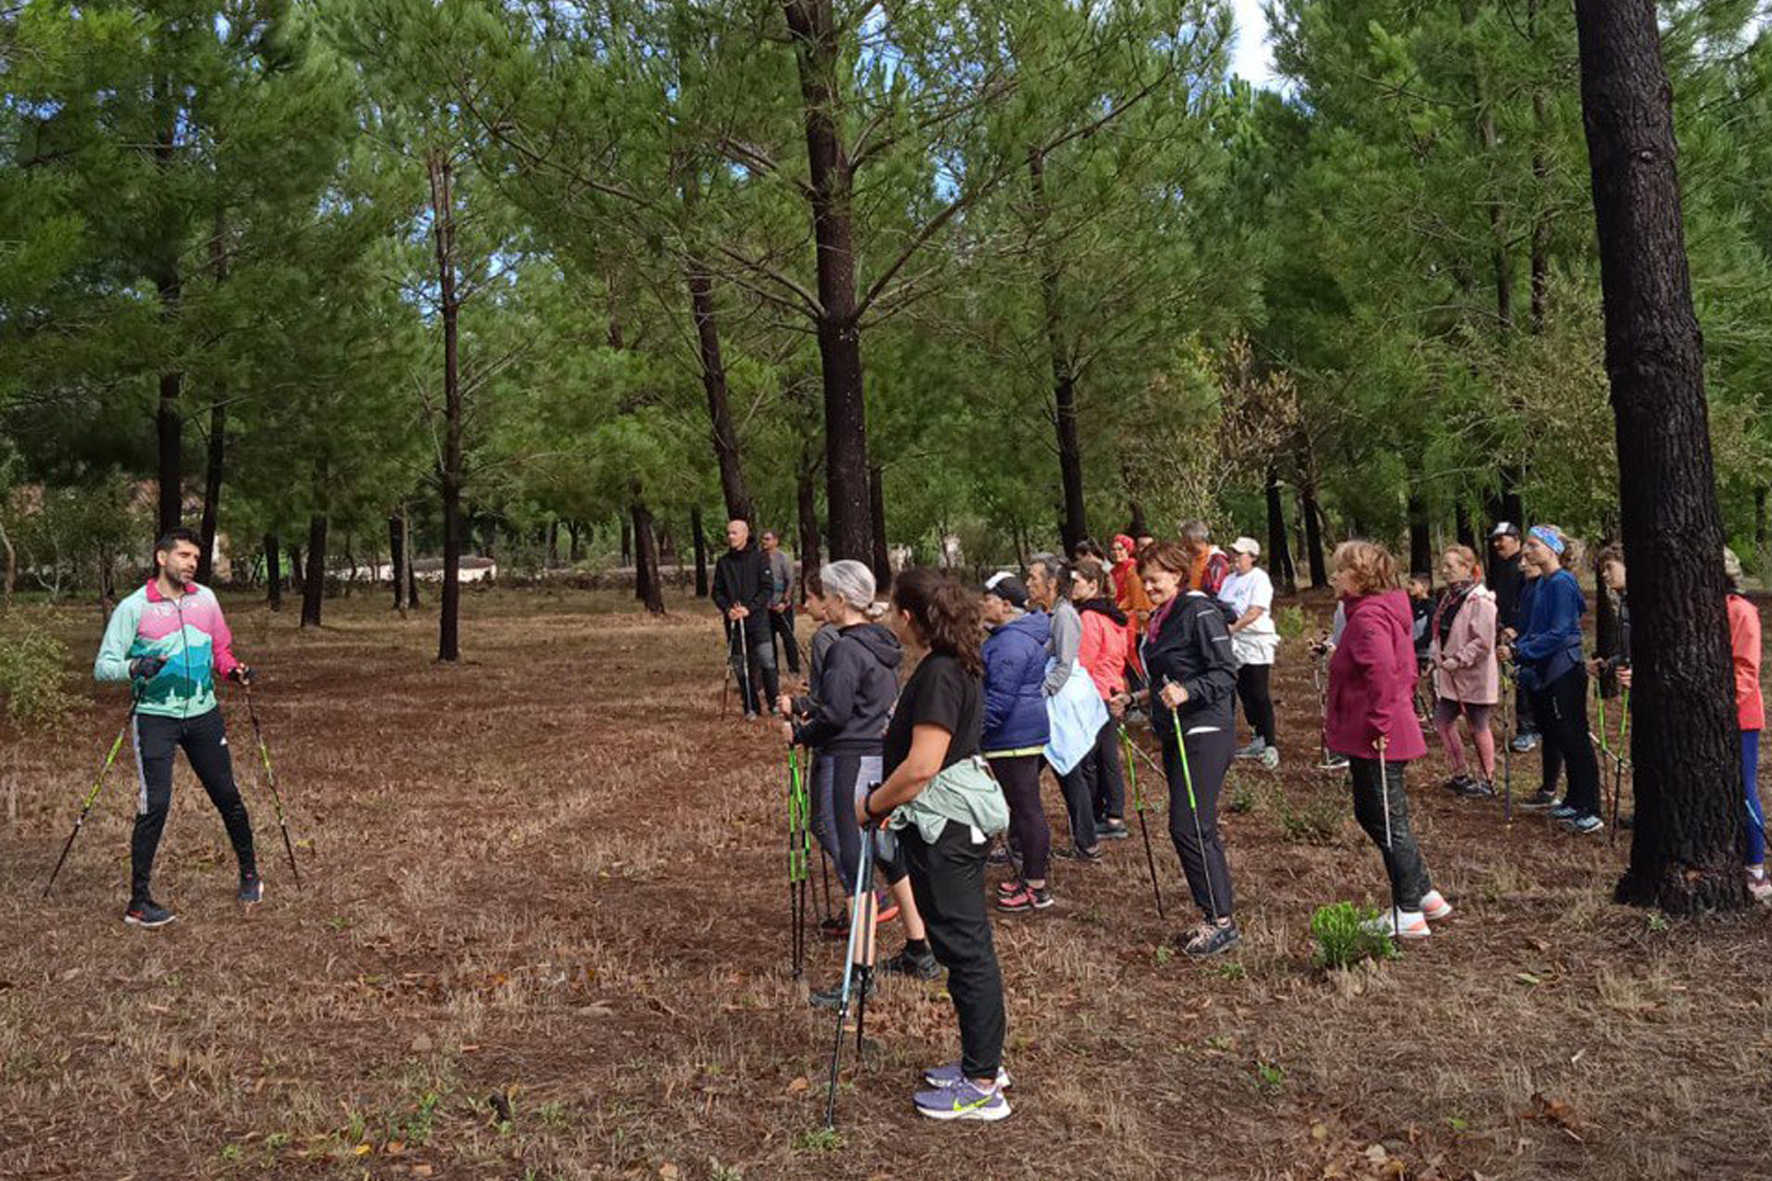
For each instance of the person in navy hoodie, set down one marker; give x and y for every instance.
(1370, 719)
(1015, 731)
(1554, 674)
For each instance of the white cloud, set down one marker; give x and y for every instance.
(1253, 58)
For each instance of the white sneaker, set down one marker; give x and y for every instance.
(1435, 906)
(1409, 924)
(1759, 888)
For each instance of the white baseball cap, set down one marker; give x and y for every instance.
(1246, 545)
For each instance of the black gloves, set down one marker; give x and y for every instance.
(240, 674)
(146, 668)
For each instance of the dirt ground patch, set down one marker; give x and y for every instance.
(544, 936)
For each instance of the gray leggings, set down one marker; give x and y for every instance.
(839, 780)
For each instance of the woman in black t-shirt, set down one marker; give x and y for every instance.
(941, 829)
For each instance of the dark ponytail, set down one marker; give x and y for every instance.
(945, 613)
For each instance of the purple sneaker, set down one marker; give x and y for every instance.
(963, 1101)
(949, 1076)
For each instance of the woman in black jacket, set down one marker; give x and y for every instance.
(1193, 676)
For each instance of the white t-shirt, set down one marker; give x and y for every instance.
(1254, 644)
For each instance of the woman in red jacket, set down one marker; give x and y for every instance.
(1750, 719)
(1371, 720)
(1102, 653)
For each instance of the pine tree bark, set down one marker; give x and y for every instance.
(313, 584)
(1136, 522)
(449, 475)
(212, 486)
(169, 427)
(273, 571)
(818, 58)
(646, 574)
(881, 560)
(1421, 545)
(713, 380)
(700, 540)
(1279, 549)
(1313, 537)
(1074, 524)
(1461, 525)
(297, 579)
(627, 541)
(397, 557)
(1685, 854)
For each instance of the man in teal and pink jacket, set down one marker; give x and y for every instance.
(169, 640)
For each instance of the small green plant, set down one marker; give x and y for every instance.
(1269, 1078)
(1347, 934)
(720, 1172)
(1317, 821)
(1657, 921)
(1165, 953)
(31, 663)
(1231, 970)
(820, 1140)
(1242, 799)
(1289, 622)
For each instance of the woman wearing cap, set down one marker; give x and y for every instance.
(1467, 679)
(1554, 676)
(1102, 652)
(1014, 731)
(1371, 720)
(1248, 596)
(1193, 679)
(1750, 719)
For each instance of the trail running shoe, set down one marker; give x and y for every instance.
(1458, 783)
(917, 967)
(1563, 812)
(951, 1076)
(1113, 830)
(832, 997)
(1332, 762)
(1072, 853)
(1585, 825)
(252, 890)
(998, 855)
(1435, 906)
(1400, 924)
(1523, 743)
(1539, 800)
(147, 915)
(1026, 898)
(1253, 750)
(1476, 789)
(1270, 758)
(963, 1100)
(1210, 939)
(836, 927)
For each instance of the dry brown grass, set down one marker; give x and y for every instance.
(544, 937)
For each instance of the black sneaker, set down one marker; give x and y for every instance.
(834, 927)
(1113, 830)
(1210, 940)
(998, 856)
(252, 890)
(1458, 783)
(1539, 800)
(147, 915)
(1475, 789)
(917, 967)
(832, 997)
(1072, 853)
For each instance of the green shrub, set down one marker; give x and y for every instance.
(1242, 798)
(1289, 622)
(1344, 937)
(31, 677)
(1318, 821)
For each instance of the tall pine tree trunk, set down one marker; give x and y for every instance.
(1421, 545)
(1279, 550)
(646, 574)
(313, 585)
(273, 572)
(218, 435)
(1074, 525)
(700, 540)
(818, 58)
(397, 557)
(881, 560)
(168, 426)
(1313, 537)
(713, 381)
(1684, 848)
(449, 474)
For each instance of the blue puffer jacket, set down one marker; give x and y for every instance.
(1014, 667)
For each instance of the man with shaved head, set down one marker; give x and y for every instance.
(741, 592)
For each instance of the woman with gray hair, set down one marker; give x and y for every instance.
(857, 689)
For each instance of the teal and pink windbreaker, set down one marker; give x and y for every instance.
(188, 633)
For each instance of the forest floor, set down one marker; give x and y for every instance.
(543, 935)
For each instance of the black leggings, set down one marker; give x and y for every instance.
(1561, 711)
(1258, 702)
(1393, 835)
(1209, 755)
(947, 880)
(205, 741)
(1019, 777)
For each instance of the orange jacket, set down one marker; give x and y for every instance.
(1744, 647)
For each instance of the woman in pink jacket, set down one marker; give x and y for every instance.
(1467, 679)
(1371, 720)
(1102, 653)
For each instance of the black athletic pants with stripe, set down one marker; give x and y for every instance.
(205, 742)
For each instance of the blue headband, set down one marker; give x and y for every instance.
(1550, 540)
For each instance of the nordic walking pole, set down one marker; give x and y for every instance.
(726, 680)
(1606, 750)
(91, 796)
(1384, 784)
(863, 894)
(264, 754)
(1150, 859)
(1187, 776)
(797, 853)
(1618, 768)
(1510, 680)
(744, 653)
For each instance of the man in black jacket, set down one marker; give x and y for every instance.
(1507, 578)
(741, 592)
